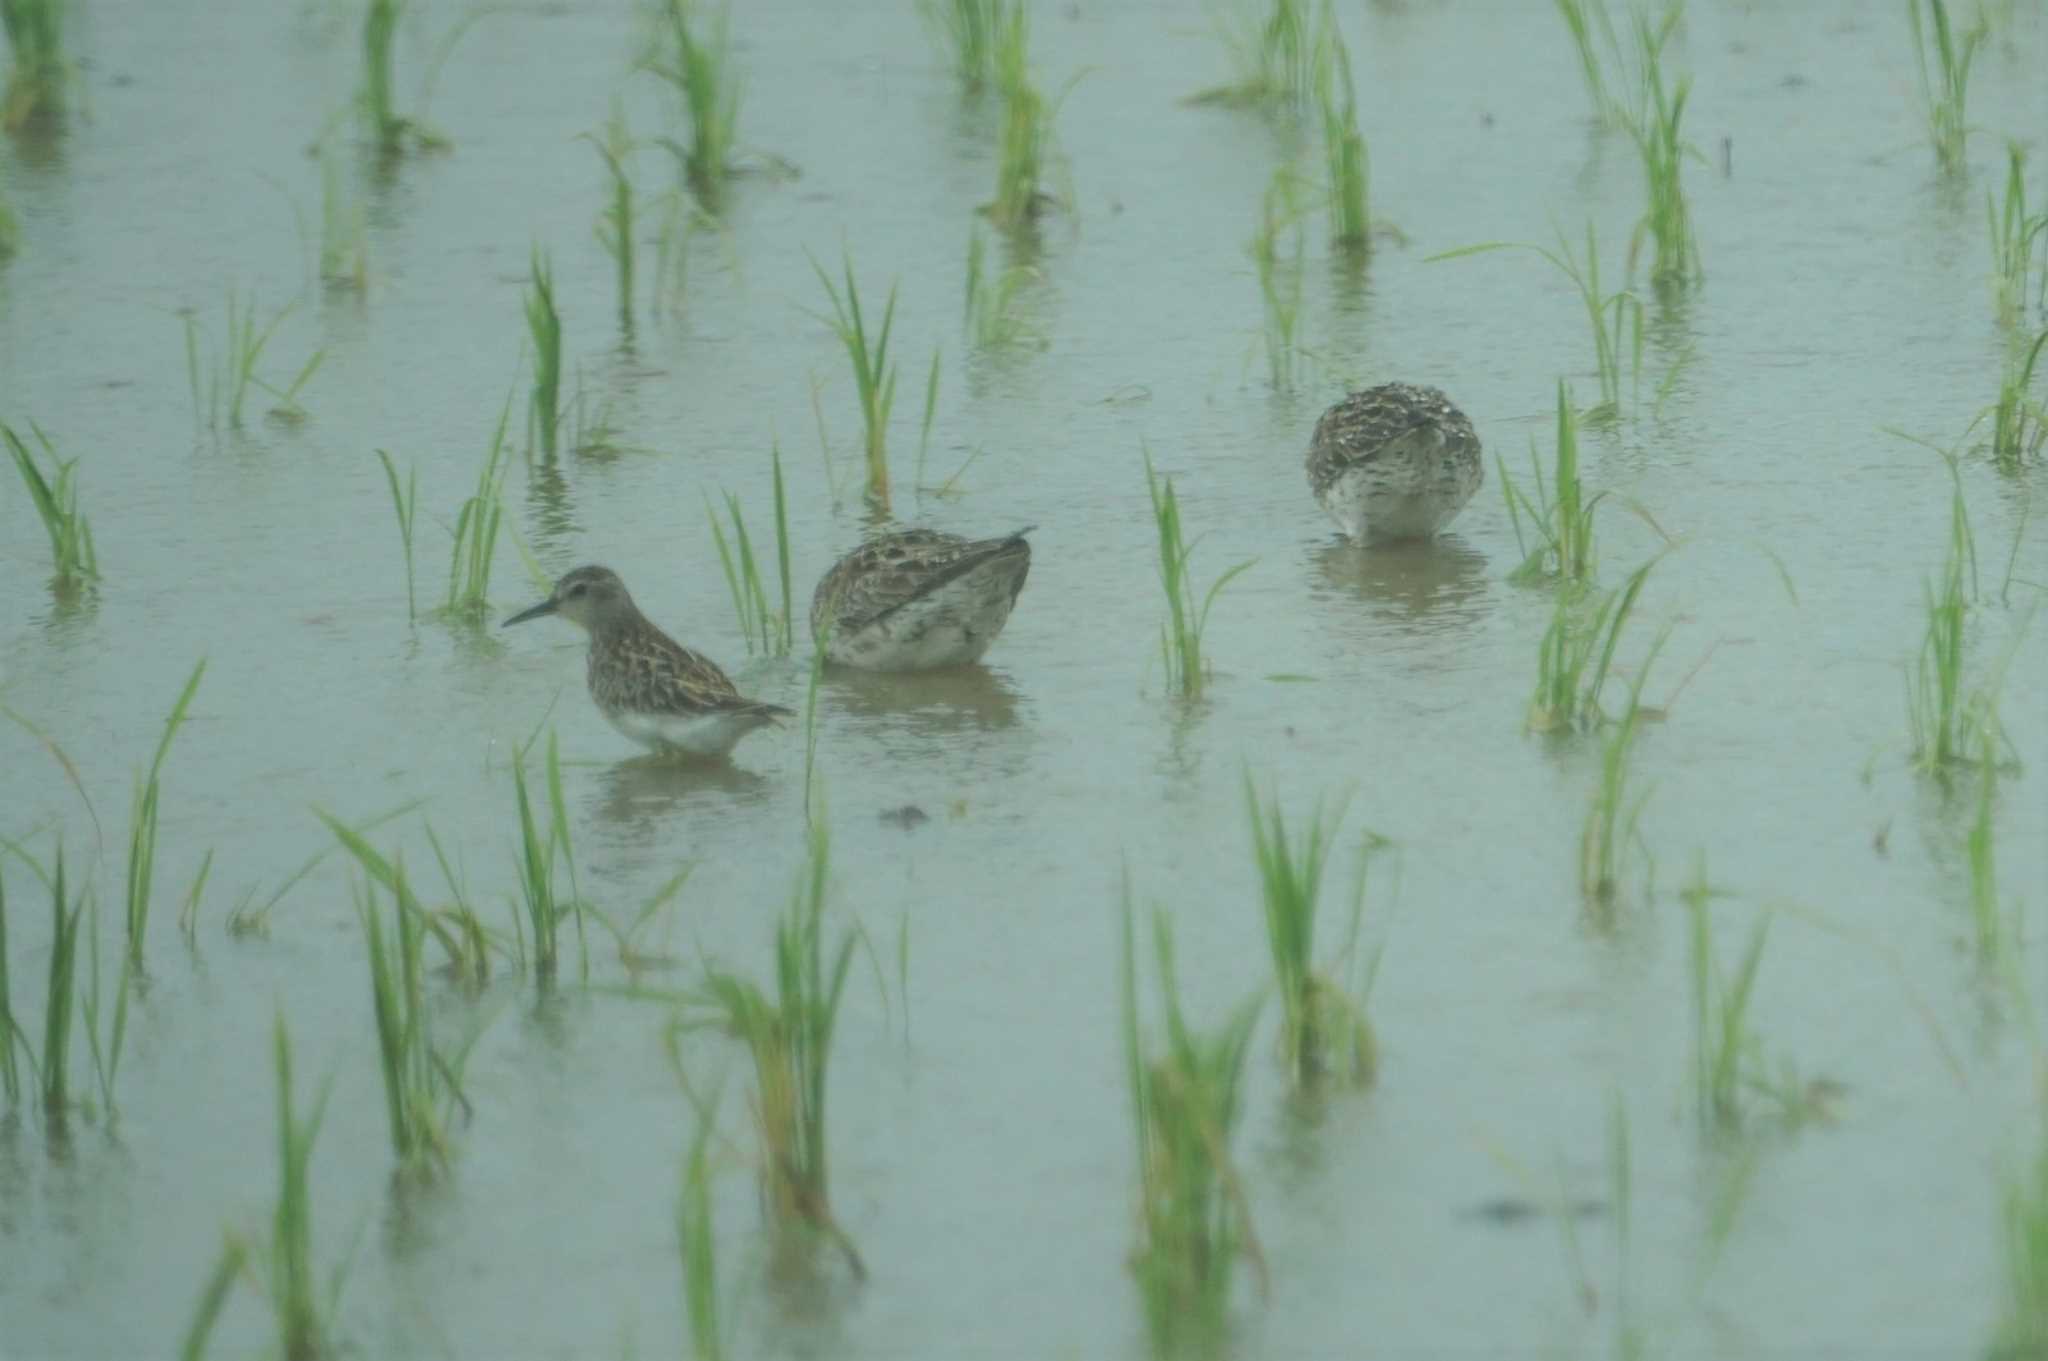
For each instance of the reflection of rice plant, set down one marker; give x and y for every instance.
(1280, 270)
(789, 1037)
(1344, 152)
(1323, 1027)
(2015, 233)
(699, 1242)
(2023, 1325)
(1945, 90)
(1616, 318)
(874, 374)
(1194, 1220)
(36, 66)
(544, 324)
(699, 71)
(1611, 821)
(1561, 513)
(615, 225)
(992, 317)
(765, 630)
(965, 31)
(1180, 638)
(1987, 920)
(1668, 218)
(1577, 653)
(344, 240)
(2019, 422)
(56, 502)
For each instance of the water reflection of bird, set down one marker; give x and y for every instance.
(964, 698)
(919, 599)
(1393, 462)
(647, 685)
(642, 790)
(1415, 581)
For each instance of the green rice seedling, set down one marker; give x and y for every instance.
(1987, 919)
(380, 31)
(142, 824)
(1323, 1028)
(1615, 319)
(1725, 1049)
(1280, 269)
(765, 630)
(2015, 232)
(13, 1042)
(1935, 704)
(1667, 220)
(301, 1327)
(36, 66)
(1588, 21)
(789, 1038)
(1344, 154)
(544, 324)
(10, 228)
(698, 68)
(993, 321)
(1279, 54)
(476, 532)
(1561, 518)
(966, 32)
(1180, 638)
(1945, 88)
(1611, 821)
(404, 503)
(213, 1297)
(2019, 421)
(188, 912)
(874, 374)
(699, 1240)
(59, 1002)
(2023, 1234)
(539, 854)
(56, 502)
(1026, 146)
(615, 224)
(422, 1085)
(1194, 1219)
(1577, 654)
(230, 372)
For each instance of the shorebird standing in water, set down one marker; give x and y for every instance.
(1394, 462)
(916, 599)
(647, 685)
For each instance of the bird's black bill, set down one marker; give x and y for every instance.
(535, 612)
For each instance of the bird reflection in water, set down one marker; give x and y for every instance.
(1420, 586)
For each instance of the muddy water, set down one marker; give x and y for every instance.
(985, 1164)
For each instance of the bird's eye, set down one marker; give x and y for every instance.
(577, 589)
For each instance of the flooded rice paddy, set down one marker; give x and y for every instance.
(982, 1154)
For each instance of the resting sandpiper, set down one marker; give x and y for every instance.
(915, 599)
(1394, 462)
(647, 685)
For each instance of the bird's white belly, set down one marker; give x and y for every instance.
(950, 626)
(700, 735)
(1395, 500)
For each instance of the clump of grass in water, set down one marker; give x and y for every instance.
(2019, 423)
(1945, 721)
(1564, 550)
(1668, 219)
(699, 71)
(1945, 90)
(1725, 1049)
(1180, 638)
(56, 503)
(2014, 234)
(10, 229)
(765, 630)
(966, 34)
(1577, 653)
(1581, 18)
(538, 855)
(1280, 273)
(1026, 146)
(1611, 821)
(1616, 318)
(476, 532)
(13, 1039)
(1279, 56)
(874, 375)
(1344, 153)
(404, 503)
(544, 324)
(37, 70)
(695, 1229)
(301, 1325)
(789, 1038)
(615, 225)
(142, 828)
(1323, 1027)
(220, 385)
(1194, 1220)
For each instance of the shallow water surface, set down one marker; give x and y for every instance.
(982, 1153)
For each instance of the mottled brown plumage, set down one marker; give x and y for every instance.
(1394, 461)
(647, 685)
(912, 599)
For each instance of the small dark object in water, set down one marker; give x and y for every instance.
(906, 817)
(1508, 1210)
